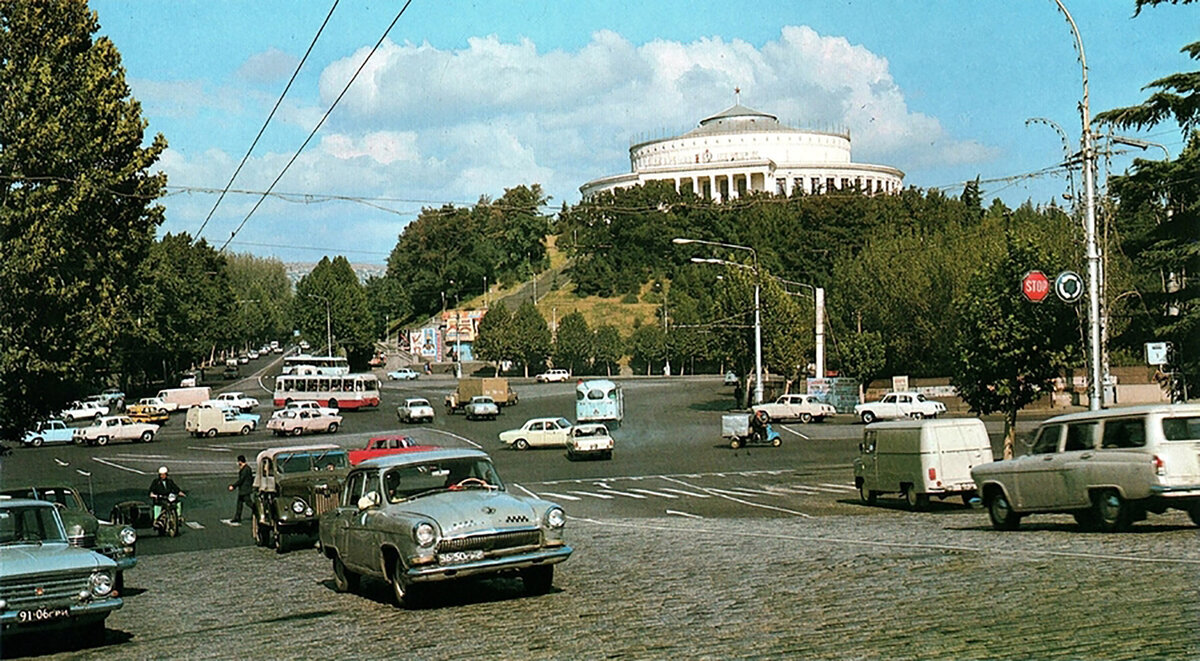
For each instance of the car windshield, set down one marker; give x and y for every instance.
(404, 482)
(299, 462)
(23, 525)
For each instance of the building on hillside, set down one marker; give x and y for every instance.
(739, 150)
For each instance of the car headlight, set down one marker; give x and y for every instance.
(298, 506)
(556, 518)
(128, 536)
(425, 534)
(102, 584)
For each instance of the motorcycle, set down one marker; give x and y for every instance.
(167, 522)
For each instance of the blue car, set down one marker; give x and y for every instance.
(50, 431)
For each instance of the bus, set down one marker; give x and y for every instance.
(347, 392)
(598, 400)
(306, 364)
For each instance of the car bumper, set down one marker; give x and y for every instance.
(543, 556)
(81, 614)
(1181, 491)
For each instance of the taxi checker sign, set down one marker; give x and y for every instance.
(1069, 286)
(1035, 286)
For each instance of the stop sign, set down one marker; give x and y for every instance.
(1035, 286)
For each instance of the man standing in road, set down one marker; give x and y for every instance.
(242, 485)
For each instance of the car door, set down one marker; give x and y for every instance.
(537, 433)
(1076, 464)
(889, 407)
(344, 516)
(361, 545)
(1037, 473)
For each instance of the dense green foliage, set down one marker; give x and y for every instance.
(330, 307)
(447, 254)
(574, 344)
(77, 212)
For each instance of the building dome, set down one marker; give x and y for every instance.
(740, 150)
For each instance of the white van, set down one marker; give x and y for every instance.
(921, 458)
(210, 421)
(185, 397)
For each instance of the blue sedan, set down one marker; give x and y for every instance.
(50, 431)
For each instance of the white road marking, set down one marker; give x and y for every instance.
(739, 500)
(690, 516)
(628, 495)
(593, 495)
(141, 456)
(560, 496)
(668, 475)
(532, 494)
(194, 525)
(209, 449)
(828, 490)
(793, 431)
(115, 465)
(843, 487)
(654, 493)
(739, 491)
(461, 438)
(686, 493)
(800, 489)
(60, 462)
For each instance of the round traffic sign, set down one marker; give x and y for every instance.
(1069, 286)
(1035, 286)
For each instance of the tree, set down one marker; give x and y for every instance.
(647, 344)
(388, 303)
(860, 356)
(607, 348)
(1008, 350)
(331, 294)
(77, 211)
(494, 340)
(573, 344)
(263, 294)
(531, 336)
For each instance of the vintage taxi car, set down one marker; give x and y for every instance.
(114, 428)
(417, 519)
(805, 408)
(481, 407)
(538, 432)
(48, 431)
(1107, 468)
(294, 422)
(293, 486)
(118, 542)
(46, 584)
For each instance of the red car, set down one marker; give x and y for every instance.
(381, 446)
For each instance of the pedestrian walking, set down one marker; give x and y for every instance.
(243, 486)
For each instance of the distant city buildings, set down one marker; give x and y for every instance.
(740, 150)
(297, 270)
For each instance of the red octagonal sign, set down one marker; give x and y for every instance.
(1035, 286)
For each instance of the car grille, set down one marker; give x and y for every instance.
(324, 502)
(491, 542)
(23, 591)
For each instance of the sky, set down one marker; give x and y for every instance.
(465, 99)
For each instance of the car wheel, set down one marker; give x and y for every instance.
(1001, 513)
(278, 538)
(735, 443)
(1194, 513)
(405, 593)
(777, 441)
(538, 580)
(570, 455)
(333, 404)
(521, 444)
(608, 454)
(68, 419)
(916, 501)
(806, 418)
(333, 426)
(245, 429)
(917, 415)
(37, 442)
(102, 440)
(344, 580)
(865, 494)
(1112, 512)
(296, 431)
(867, 417)
(147, 436)
(256, 530)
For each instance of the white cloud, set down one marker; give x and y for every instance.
(268, 66)
(451, 125)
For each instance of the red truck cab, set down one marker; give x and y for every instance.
(380, 446)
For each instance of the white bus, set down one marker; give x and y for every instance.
(306, 364)
(598, 400)
(350, 391)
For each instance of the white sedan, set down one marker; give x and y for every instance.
(415, 410)
(549, 376)
(539, 432)
(83, 411)
(402, 374)
(235, 400)
(895, 405)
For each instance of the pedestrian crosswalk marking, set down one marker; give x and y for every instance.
(622, 493)
(829, 490)
(593, 495)
(685, 493)
(843, 487)
(193, 524)
(738, 491)
(654, 493)
(560, 496)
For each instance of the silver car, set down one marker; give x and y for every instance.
(417, 519)
(1107, 468)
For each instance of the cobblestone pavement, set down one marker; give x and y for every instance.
(889, 584)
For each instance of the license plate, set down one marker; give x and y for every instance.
(36, 615)
(459, 557)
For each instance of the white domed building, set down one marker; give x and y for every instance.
(740, 150)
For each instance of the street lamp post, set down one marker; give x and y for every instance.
(819, 322)
(1096, 393)
(758, 371)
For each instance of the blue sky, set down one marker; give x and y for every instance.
(466, 99)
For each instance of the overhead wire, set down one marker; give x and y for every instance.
(320, 123)
(270, 116)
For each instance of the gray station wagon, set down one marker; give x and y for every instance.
(1107, 468)
(420, 518)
